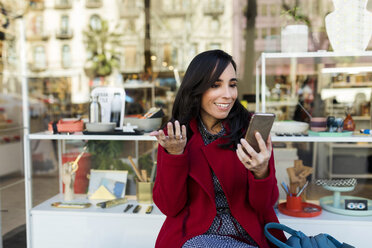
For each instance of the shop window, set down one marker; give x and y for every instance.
(66, 56)
(39, 58)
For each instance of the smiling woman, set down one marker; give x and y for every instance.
(212, 191)
(218, 100)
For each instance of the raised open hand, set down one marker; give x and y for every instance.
(176, 140)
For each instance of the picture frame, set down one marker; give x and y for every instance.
(112, 181)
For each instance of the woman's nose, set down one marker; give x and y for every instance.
(227, 92)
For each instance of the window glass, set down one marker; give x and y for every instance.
(66, 56)
(39, 57)
(64, 24)
(96, 22)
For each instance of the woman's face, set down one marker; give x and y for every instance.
(218, 100)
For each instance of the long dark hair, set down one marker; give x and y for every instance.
(203, 71)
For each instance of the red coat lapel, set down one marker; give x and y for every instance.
(225, 164)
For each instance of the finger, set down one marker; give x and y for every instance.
(244, 157)
(261, 142)
(184, 135)
(251, 152)
(178, 130)
(239, 154)
(269, 144)
(154, 133)
(170, 130)
(162, 135)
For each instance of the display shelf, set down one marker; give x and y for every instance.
(352, 149)
(46, 208)
(356, 145)
(320, 139)
(53, 225)
(146, 137)
(93, 227)
(138, 85)
(346, 85)
(320, 54)
(46, 135)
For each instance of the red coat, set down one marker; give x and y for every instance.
(184, 192)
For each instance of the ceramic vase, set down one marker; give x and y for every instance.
(349, 26)
(294, 38)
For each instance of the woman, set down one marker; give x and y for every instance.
(213, 193)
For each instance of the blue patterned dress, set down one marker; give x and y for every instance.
(225, 230)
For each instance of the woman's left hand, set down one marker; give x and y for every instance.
(257, 162)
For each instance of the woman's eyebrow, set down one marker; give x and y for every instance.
(232, 79)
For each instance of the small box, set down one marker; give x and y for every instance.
(144, 192)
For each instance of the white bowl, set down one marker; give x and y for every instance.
(290, 127)
(147, 125)
(100, 127)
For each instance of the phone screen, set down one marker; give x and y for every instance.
(262, 123)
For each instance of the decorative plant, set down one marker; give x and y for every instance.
(294, 13)
(102, 47)
(106, 155)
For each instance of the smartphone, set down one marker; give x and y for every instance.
(262, 123)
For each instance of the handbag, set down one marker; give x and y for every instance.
(300, 240)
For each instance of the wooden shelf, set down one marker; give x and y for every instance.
(346, 85)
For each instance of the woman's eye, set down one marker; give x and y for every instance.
(233, 85)
(214, 85)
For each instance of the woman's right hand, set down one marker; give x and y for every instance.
(175, 142)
